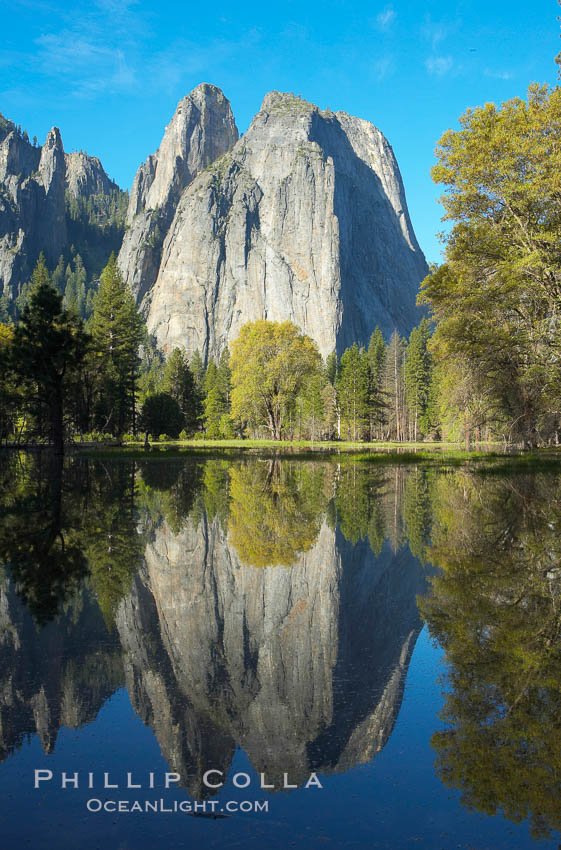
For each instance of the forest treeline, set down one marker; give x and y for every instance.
(62, 378)
(485, 363)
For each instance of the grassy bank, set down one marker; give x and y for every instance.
(487, 456)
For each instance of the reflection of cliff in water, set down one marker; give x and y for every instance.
(241, 601)
(56, 676)
(302, 667)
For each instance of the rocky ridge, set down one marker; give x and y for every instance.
(304, 219)
(201, 130)
(33, 185)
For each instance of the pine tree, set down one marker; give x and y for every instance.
(393, 388)
(313, 405)
(377, 399)
(332, 368)
(117, 331)
(418, 369)
(197, 368)
(48, 348)
(217, 383)
(352, 391)
(179, 383)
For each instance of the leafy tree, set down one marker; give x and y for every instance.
(48, 348)
(497, 298)
(494, 608)
(117, 331)
(270, 364)
(161, 414)
(275, 511)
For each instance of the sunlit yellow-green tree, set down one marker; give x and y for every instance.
(270, 364)
(497, 298)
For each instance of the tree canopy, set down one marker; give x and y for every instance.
(270, 364)
(497, 298)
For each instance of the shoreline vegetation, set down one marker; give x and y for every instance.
(491, 458)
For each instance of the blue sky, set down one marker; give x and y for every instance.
(109, 74)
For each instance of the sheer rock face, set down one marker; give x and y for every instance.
(305, 219)
(31, 205)
(33, 182)
(201, 130)
(86, 176)
(302, 667)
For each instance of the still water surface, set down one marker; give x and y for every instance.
(391, 633)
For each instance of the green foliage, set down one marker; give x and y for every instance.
(353, 392)
(270, 364)
(393, 389)
(417, 375)
(494, 607)
(496, 299)
(161, 415)
(117, 331)
(332, 368)
(46, 560)
(275, 511)
(178, 381)
(95, 227)
(47, 351)
(64, 523)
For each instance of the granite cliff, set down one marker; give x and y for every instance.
(36, 184)
(201, 130)
(304, 219)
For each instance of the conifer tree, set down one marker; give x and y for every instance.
(352, 391)
(49, 345)
(332, 368)
(197, 368)
(393, 388)
(217, 385)
(179, 383)
(418, 369)
(377, 401)
(117, 331)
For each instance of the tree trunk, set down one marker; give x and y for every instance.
(57, 424)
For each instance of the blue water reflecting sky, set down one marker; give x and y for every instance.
(393, 802)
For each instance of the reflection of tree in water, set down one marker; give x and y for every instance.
(60, 523)
(109, 533)
(168, 488)
(276, 510)
(36, 535)
(496, 609)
